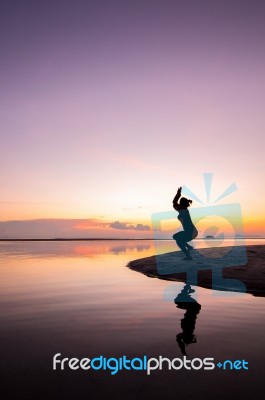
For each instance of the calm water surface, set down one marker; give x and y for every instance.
(80, 299)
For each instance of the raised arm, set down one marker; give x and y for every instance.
(176, 205)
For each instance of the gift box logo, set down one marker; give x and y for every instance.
(216, 255)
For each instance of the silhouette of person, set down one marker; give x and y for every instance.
(186, 302)
(189, 231)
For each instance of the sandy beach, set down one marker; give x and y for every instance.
(207, 264)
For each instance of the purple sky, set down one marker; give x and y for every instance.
(108, 106)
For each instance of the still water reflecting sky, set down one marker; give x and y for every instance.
(80, 299)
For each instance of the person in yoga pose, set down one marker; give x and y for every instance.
(189, 232)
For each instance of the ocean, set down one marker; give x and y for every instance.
(79, 299)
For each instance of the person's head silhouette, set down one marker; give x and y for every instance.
(184, 202)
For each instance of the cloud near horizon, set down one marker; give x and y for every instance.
(126, 226)
(66, 228)
(85, 228)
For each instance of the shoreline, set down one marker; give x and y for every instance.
(251, 273)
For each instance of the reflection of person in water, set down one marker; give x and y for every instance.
(186, 302)
(189, 231)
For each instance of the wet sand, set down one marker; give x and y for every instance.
(250, 272)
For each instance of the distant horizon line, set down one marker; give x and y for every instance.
(101, 239)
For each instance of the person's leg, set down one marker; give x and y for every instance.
(189, 247)
(180, 238)
(189, 237)
(175, 235)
